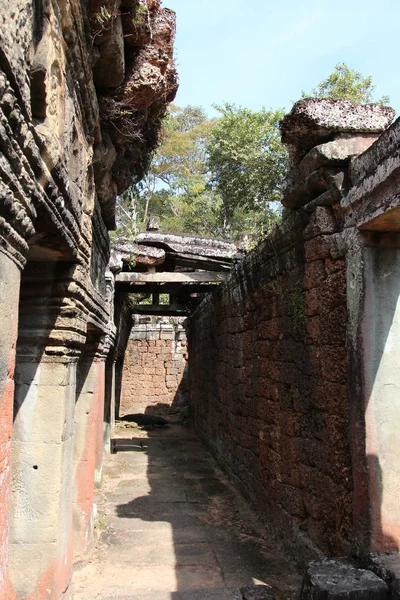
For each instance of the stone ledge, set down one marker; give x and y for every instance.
(366, 163)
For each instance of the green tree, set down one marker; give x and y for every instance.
(217, 177)
(248, 164)
(347, 84)
(176, 186)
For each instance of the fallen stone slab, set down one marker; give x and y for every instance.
(190, 244)
(342, 579)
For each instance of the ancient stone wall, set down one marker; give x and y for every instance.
(269, 380)
(291, 362)
(155, 377)
(63, 159)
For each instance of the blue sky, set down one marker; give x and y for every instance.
(262, 53)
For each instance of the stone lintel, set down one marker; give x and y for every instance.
(170, 310)
(165, 278)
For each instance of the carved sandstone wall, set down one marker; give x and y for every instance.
(292, 361)
(63, 157)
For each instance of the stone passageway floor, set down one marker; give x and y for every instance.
(171, 527)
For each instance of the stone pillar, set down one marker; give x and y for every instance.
(109, 404)
(10, 275)
(88, 427)
(118, 370)
(109, 375)
(100, 388)
(41, 528)
(52, 331)
(381, 375)
(374, 378)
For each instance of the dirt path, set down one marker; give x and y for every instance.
(173, 528)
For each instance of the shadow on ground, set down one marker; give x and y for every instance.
(173, 528)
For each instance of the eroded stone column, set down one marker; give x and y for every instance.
(51, 333)
(42, 448)
(88, 426)
(109, 405)
(100, 390)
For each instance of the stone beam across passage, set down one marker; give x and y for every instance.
(165, 278)
(167, 310)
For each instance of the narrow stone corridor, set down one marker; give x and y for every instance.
(172, 527)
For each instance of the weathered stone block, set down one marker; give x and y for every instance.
(335, 153)
(325, 246)
(333, 364)
(312, 121)
(314, 274)
(323, 180)
(321, 222)
(387, 566)
(329, 198)
(295, 195)
(341, 579)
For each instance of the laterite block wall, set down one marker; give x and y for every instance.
(268, 382)
(155, 369)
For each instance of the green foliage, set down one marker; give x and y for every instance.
(248, 164)
(103, 16)
(176, 187)
(146, 299)
(141, 15)
(211, 177)
(347, 84)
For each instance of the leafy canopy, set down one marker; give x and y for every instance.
(248, 164)
(347, 84)
(213, 177)
(175, 187)
(223, 177)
